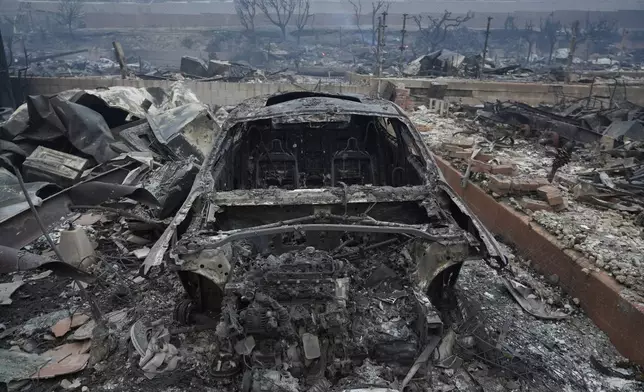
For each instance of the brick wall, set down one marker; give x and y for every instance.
(601, 297)
(213, 93)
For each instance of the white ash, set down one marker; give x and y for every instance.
(607, 238)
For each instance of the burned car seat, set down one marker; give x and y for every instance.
(276, 167)
(352, 165)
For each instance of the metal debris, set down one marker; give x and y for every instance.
(7, 289)
(159, 351)
(529, 302)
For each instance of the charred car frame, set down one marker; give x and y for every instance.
(321, 233)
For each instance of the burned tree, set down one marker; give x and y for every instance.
(510, 24)
(599, 34)
(376, 8)
(8, 30)
(69, 13)
(530, 36)
(278, 12)
(302, 16)
(550, 34)
(437, 27)
(246, 11)
(357, 13)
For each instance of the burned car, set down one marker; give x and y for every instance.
(321, 236)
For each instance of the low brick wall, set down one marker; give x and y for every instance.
(213, 93)
(474, 92)
(600, 296)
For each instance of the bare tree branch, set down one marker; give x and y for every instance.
(550, 31)
(596, 35)
(246, 11)
(302, 16)
(437, 27)
(278, 12)
(375, 10)
(9, 35)
(510, 24)
(357, 12)
(69, 13)
(530, 36)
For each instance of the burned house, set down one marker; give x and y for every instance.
(319, 233)
(439, 63)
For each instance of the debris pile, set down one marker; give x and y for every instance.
(327, 318)
(576, 168)
(72, 141)
(355, 313)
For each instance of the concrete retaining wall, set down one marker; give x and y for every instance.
(467, 91)
(600, 296)
(213, 93)
(475, 91)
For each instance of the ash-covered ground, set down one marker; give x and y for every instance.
(611, 239)
(496, 346)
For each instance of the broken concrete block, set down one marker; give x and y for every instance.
(551, 194)
(218, 67)
(45, 164)
(193, 66)
(535, 205)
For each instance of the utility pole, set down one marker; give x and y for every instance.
(530, 37)
(487, 36)
(571, 50)
(384, 24)
(403, 32)
(622, 45)
(379, 47)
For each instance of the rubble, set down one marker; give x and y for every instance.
(53, 166)
(529, 303)
(304, 271)
(6, 290)
(595, 195)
